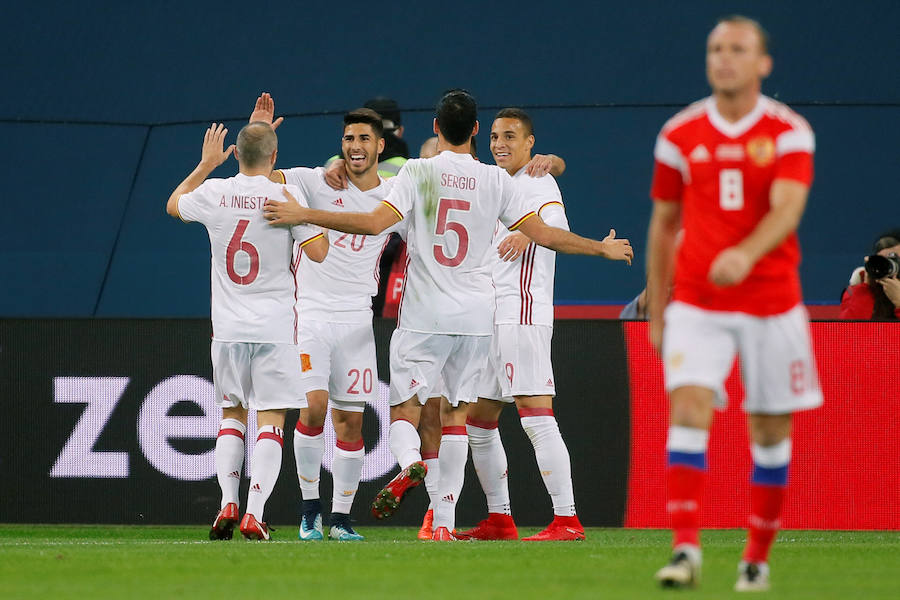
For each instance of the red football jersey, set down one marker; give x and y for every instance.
(722, 174)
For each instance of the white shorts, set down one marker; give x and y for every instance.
(419, 359)
(339, 358)
(519, 364)
(777, 362)
(257, 376)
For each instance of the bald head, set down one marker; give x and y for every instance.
(256, 143)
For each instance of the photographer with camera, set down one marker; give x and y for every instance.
(877, 297)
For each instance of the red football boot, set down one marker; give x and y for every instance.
(562, 529)
(223, 526)
(442, 534)
(496, 527)
(253, 529)
(427, 523)
(388, 499)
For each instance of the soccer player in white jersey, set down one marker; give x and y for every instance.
(519, 368)
(732, 172)
(446, 321)
(254, 353)
(336, 342)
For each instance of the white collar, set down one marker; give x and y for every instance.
(740, 127)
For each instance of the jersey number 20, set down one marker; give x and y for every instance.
(235, 244)
(444, 224)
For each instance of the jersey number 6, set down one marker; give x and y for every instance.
(235, 244)
(444, 225)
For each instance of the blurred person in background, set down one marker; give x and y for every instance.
(874, 292)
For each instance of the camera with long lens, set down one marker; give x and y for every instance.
(879, 267)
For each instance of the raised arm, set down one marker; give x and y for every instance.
(291, 213)
(264, 111)
(787, 201)
(567, 242)
(211, 157)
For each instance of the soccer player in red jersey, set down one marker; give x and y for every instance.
(733, 172)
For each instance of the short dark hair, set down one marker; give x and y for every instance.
(742, 20)
(886, 240)
(519, 115)
(367, 116)
(456, 114)
(256, 142)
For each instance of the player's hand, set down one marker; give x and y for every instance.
(730, 267)
(336, 174)
(617, 249)
(212, 154)
(891, 287)
(284, 213)
(513, 246)
(265, 111)
(539, 165)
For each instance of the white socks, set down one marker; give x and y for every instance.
(229, 454)
(489, 458)
(552, 458)
(345, 472)
(404, 443)
(264, 467)
(452, 457)
(309, 448)
(432, 478)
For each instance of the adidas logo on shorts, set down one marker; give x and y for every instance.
(339, 202)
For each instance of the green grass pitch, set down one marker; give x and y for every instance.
(68, 561)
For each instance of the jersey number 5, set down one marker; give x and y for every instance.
(444, 225)
(235, 244)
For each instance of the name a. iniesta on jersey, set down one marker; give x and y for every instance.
(245, 202)
(455, 181)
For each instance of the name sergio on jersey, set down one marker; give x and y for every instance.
(455, 181)
(245, 202)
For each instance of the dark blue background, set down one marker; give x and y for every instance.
(104, 106)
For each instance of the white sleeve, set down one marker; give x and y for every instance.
(554, 214)
(403, 191)
(304, 178)
(197, 205)
(515, 207)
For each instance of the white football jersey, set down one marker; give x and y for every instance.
(252, 281)
(452, 202)
(524, 286)
(340, 288)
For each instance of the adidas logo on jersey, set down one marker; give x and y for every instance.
(339, 202)
(699, 154)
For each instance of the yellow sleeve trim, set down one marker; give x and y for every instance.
(522, 220)
(312, 239)
(548, 204)
(393, 208)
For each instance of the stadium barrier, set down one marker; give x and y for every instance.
(114, 421)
